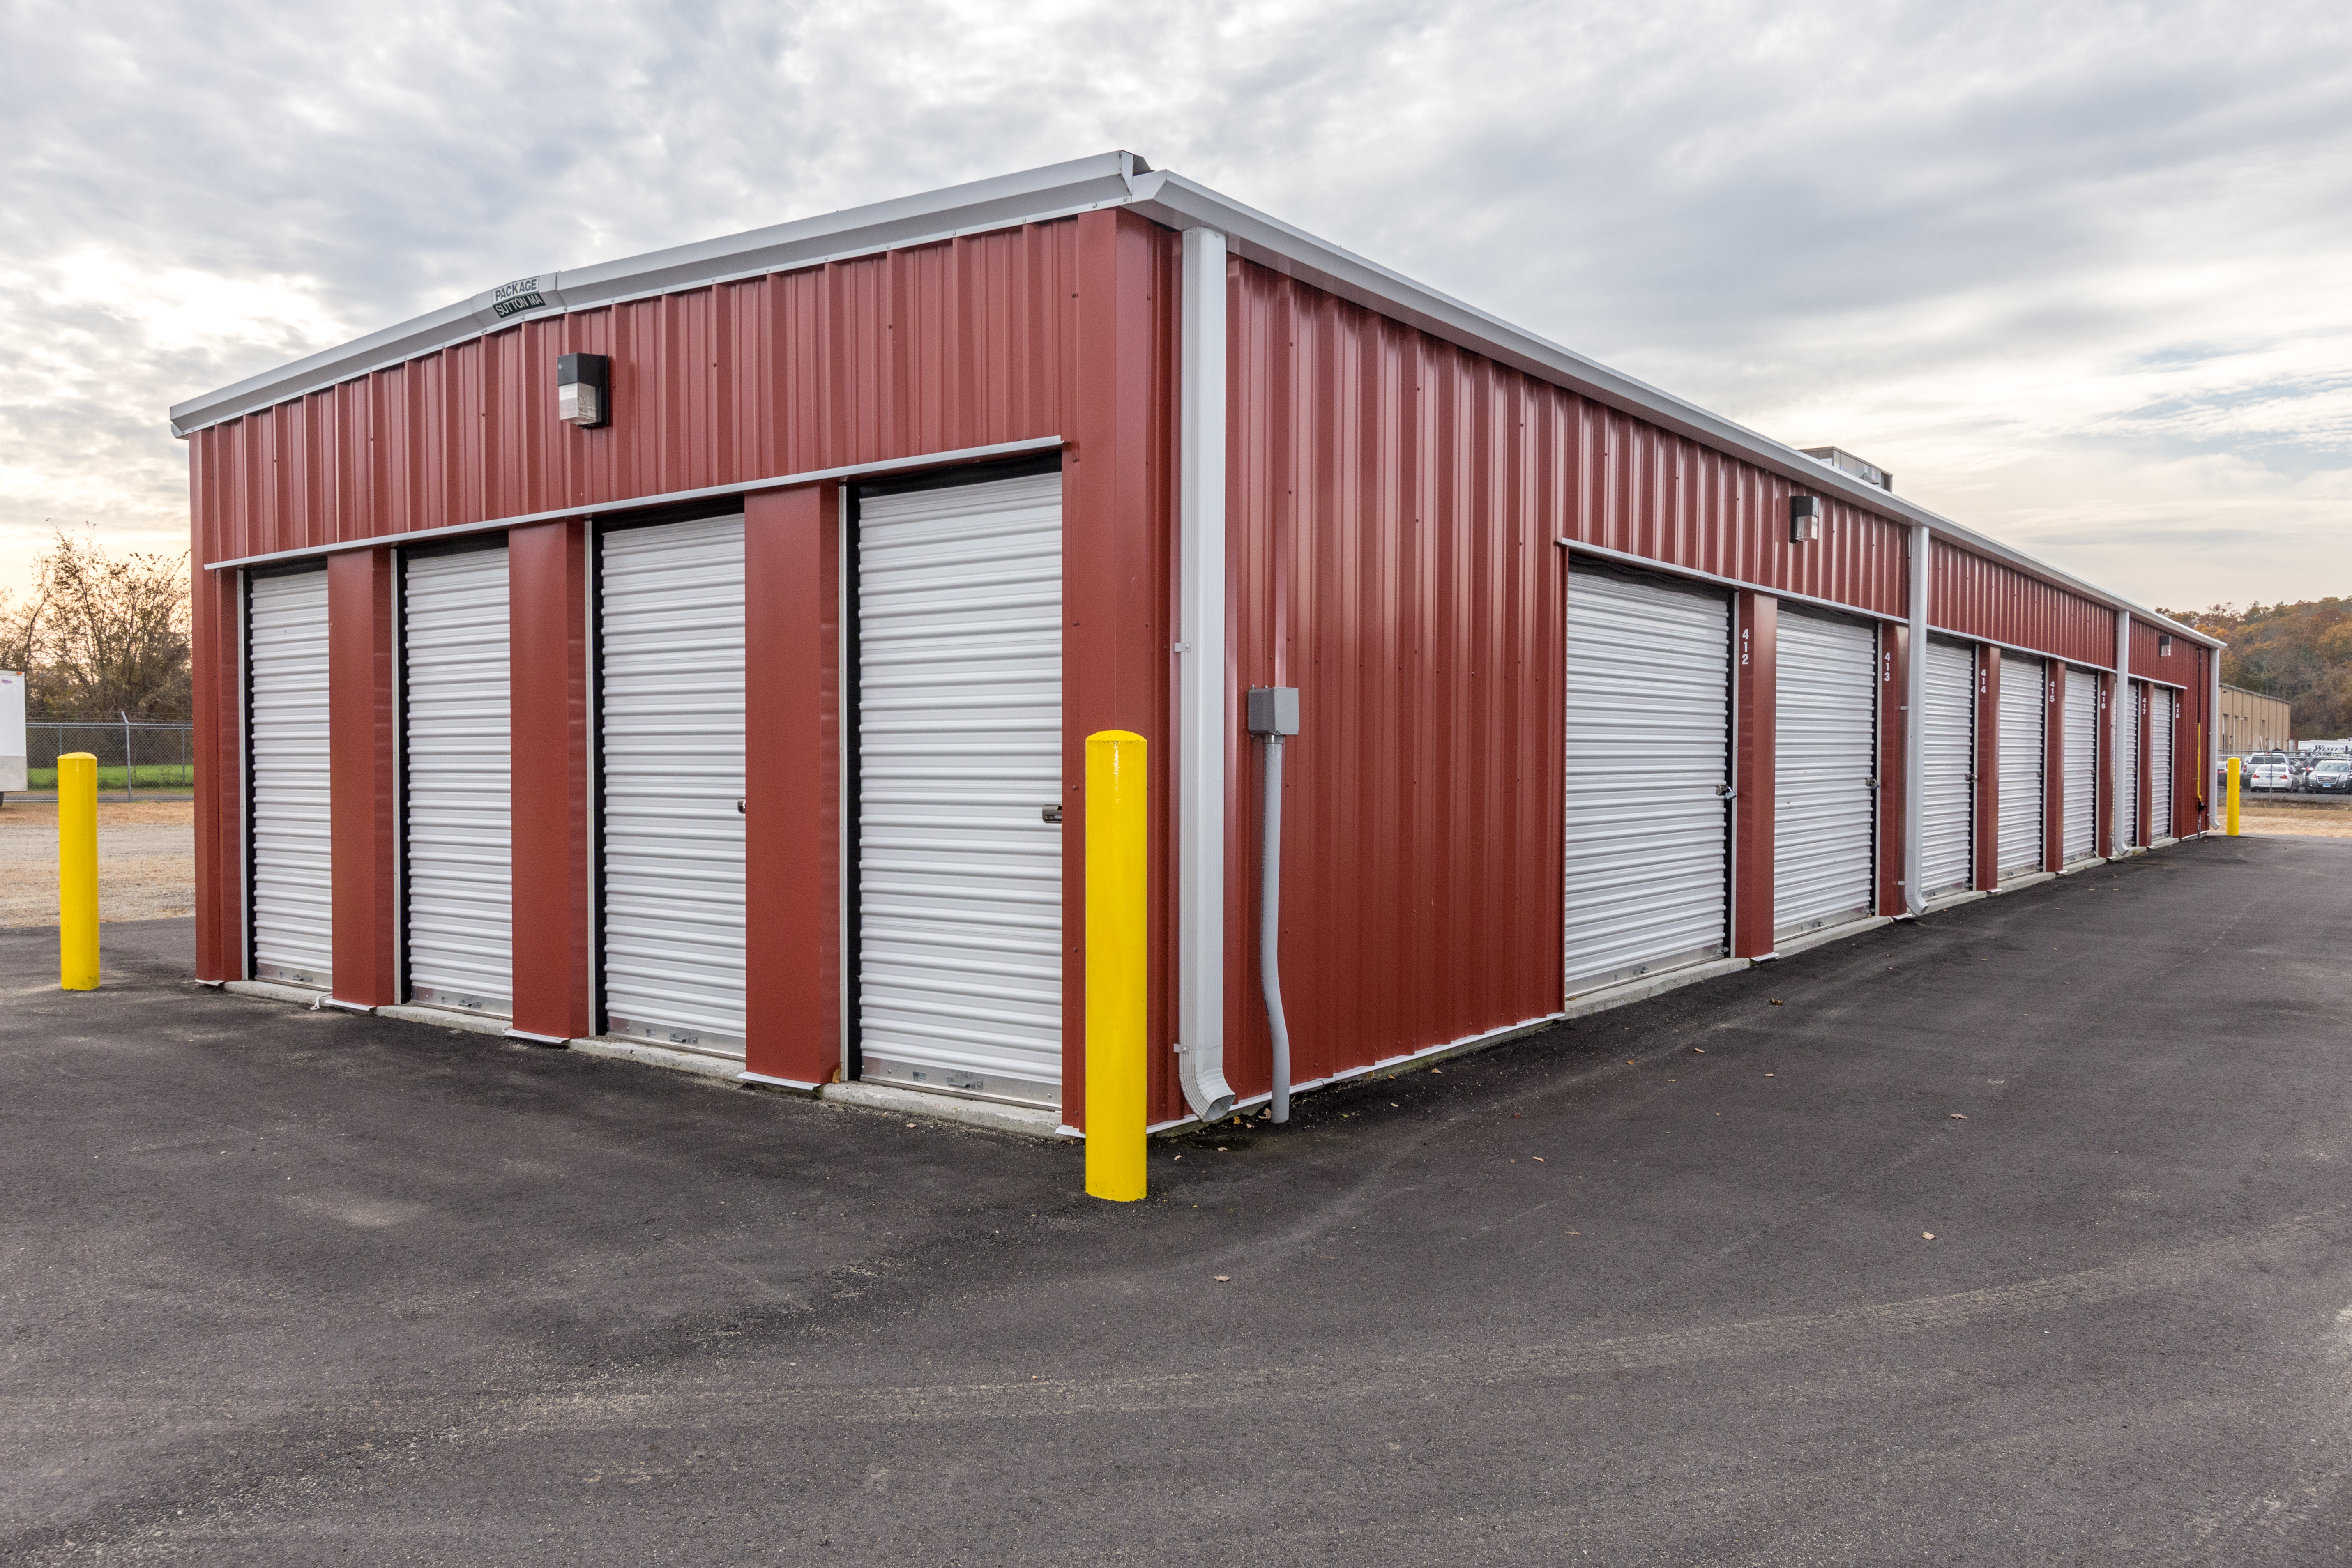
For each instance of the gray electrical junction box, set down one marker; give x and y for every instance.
(1274, 710)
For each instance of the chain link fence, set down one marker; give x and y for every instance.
(131, 756)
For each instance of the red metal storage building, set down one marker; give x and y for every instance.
(690, 657)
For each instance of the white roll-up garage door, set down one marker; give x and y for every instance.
(2160, 761)
(2128, 779)
(458, 804)
(2078, 830)
(959, 766)
(1947, 770)
(286, 668)
(670, 614)
(2023, 738)
(1649, 765)
(1826, 751)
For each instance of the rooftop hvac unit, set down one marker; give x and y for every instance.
(1846, 462)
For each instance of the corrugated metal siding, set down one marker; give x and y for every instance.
(1394, 501)
(2178, 667)
(1391, 510)
(1622, 484)
(1975, 596)
(956, 344)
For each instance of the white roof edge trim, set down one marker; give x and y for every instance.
(1058, 190)
(624, 507)
(1179, 203)
(999, 201)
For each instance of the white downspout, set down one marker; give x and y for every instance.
(2210, 794)
(1914, 726)
(2119, 699)
(1201, 683)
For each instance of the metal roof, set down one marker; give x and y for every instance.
(1060, 190)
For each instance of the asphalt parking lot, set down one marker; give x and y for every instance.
(1656, 1286)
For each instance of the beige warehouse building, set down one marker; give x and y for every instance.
(2252, 722)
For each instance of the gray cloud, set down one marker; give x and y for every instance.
(2078, 275)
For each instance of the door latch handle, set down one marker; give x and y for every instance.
(1050, 813)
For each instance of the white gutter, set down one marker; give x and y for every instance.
(1060, 190)
(2207, 792)
(2119, 699)
(1914, 727)
(1032, 195)
(1201, 684)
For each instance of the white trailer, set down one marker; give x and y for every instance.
(12, 732)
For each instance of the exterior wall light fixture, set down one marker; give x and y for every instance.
(582, 390)
(1804, 519)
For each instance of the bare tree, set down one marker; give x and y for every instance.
(101, 634)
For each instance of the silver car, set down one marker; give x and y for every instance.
(2269, 770)
(2330, 775)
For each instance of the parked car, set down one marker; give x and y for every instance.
(2330, 775)
(2269, 770)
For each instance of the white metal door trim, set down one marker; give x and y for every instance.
(1825, 787)
(959, 789)
(670, 705)
(2078, 828)
(456, 806)
(2022, 763)
(1645, 884)
(1947, 768)
(289, 800)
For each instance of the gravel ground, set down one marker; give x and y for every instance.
(2298, 821)
(146, 862)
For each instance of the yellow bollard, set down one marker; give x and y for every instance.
(78, 871)
(2230, 818)
(1117, 966)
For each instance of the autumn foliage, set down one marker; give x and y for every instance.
(101, 634)
(2302, 652)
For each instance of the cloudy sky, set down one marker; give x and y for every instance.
(2081, 274)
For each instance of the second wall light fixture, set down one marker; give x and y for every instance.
(583, 390)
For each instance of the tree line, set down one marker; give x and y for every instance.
(2300, 652)
(99, 635)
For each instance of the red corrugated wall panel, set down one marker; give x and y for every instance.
(1648, 493)
(1392, 556)
(939, 347)
(2178, 667)
(1975, 596)
(957, 344)
(1393, 504)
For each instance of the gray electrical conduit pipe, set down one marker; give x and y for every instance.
(1269, 925)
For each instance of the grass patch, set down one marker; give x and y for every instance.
(152, 775)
